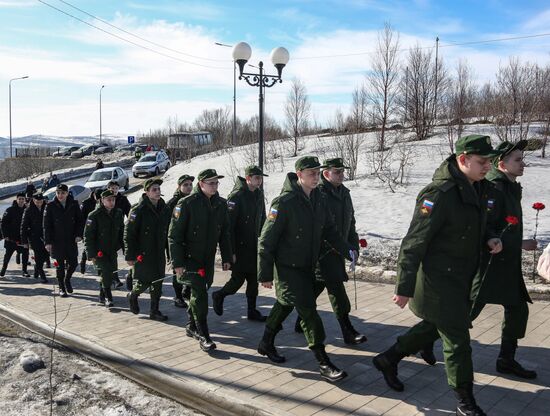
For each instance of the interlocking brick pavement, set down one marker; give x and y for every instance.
(237, 370)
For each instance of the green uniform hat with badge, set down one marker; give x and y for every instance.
(308, 162)
(150, 182)
(254, 170)
(336, 162)
(38, 196)
(208, 174)
(476, 144)
(184, 178)
(62, 187)
(107, 194)
(506, 148)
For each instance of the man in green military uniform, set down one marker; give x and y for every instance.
(501, 282)
(437, 263)
(199, 224)
(288, 251)
(331, 271)
(145, 246)
(185, 186)
(138, 153)
(103, 237)
(246, 208)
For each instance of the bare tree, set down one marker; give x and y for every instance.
(383, 80)
(418, 90)
(458, 102)
(357, 120)
(219, 123)
(516, 100)
(297, 111)
(485, 102)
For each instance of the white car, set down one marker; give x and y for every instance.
(151, 164)
(101, 177)
(79, 193)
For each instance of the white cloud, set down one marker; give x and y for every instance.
(17, 3)
(539, 22)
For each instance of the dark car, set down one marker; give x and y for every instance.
(65, 151)
(103, 149)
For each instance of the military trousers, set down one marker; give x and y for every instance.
(457, 352)
(106, 266)
(337, 295)
(312, 324)
(237, 280)
(140, 286)
(198, 300)
(515, 319)
(12, 247)
(40, 257)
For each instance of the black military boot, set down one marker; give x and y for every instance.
(427, 354)
(298, 325)
(467, 405)
(101, 295)
(350, 335)
(43, 276)
(387, 364)
(191, 327)
(507, 364)
(83, 267)
(60, 273)
(179, 302)
(267, 346)
(253, 313)
(217, 301)
(328, 370)
(3, 271)
(25, 272)
(68, 283)
(109, 298)
(155, 314)
(133, 302)
(205, 342)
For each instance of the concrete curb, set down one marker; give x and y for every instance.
(188, 391)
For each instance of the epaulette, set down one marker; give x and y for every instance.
(445, 186)
(286, 197)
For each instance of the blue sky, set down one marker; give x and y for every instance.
(68, 61)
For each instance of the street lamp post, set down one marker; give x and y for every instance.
(234, 132)
(13, 79)
(279, 58)
(100, 124)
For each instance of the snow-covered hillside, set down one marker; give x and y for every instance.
(382, 216)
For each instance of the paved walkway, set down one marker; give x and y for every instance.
(235, 379)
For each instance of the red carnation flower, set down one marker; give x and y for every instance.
(100, 254)
(139, 258)
(32, 257)
(510, 219)
(55, 264)
(363, 243)
(539, 206)
(201, 272)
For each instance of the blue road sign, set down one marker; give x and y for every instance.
(131, 139)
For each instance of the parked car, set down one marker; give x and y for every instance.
(151, 163)
(101, 177)
(103, 149)
(79, 193)
(84, 151)
(65, 151)
(126, 148)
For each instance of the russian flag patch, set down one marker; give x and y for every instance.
(426, 207)
(272, 214)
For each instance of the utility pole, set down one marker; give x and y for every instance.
(436, 76)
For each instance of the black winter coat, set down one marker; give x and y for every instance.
(123, 204)
(32, 231)
(62, 226)
(11, 222)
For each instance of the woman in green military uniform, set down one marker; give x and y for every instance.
(199, 224)
(103, 237)
(145, 245)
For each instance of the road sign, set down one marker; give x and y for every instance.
(131, 139)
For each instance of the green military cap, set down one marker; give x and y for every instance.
(208, 174)
(335, 162)
(107, 194)
(506, 147)
(476, 144)
(150, 182)
(308, 162)
(38, 196)
(253, 170)
(184, 178)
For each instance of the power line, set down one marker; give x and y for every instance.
(139, 37)
(129, 41)
(425, 47)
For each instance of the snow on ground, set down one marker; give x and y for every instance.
(80, 387)
(382, 216)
